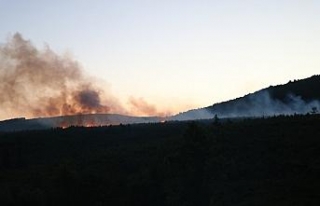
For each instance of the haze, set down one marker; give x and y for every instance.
(175, 55)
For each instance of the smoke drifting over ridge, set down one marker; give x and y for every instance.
(262, 103)
(141, 106)
(41, 83)
(258, 104)
(37, 83)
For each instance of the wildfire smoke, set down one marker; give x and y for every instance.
(37, 83)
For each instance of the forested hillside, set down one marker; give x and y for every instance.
(265, 161)
(298, 96)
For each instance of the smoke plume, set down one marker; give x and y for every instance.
(142, 107)
(37, 83)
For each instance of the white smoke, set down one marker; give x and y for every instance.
(254, 105)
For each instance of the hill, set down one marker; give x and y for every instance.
(299, 96)
(87, 120)
(295, 97)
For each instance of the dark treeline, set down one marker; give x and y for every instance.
(266, 161)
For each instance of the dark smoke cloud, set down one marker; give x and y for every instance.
(90, 100)
(37, 83)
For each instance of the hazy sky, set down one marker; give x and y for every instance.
(176, 54)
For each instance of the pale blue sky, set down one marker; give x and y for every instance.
(176, 54)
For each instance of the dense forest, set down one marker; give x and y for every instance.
(264, 161)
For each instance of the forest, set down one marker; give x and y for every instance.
(242, 161)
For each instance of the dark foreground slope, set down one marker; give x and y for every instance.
(274, 161)
(299, 96)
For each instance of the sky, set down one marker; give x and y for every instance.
(176, 54)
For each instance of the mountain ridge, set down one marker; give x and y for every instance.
(80, 120)
(297, 96)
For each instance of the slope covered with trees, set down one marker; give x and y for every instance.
(298, 96)
(308, 89)
(266, 161)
